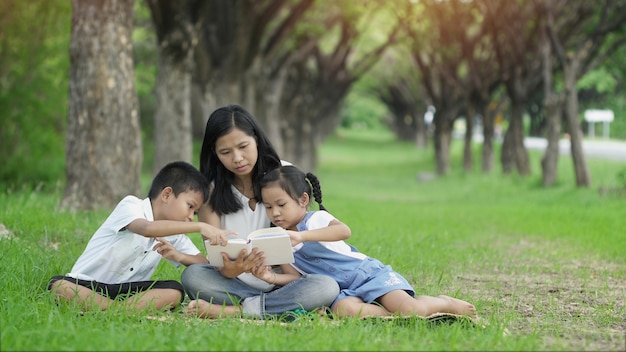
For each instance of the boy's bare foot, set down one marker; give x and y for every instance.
(460, 307)
(204, 309)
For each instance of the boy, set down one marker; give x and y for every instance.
(124, 252)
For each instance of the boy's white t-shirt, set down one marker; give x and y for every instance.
(116, 255)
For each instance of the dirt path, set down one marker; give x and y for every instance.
(576, 304)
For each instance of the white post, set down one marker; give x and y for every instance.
(604, 116)
(606, 129)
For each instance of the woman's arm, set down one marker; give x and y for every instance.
(206, 214)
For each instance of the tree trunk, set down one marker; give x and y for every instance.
(507, 154)
(550, 159)
(583, 179)
(488, 134)
(468, 163)
(172, 119)
(442, 141)
(103, 143)
(514, 154)
(549, 162)
(421, 135)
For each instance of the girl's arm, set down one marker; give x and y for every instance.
(265, 273)
(335, 231)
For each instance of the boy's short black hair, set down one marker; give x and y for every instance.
(182, 177)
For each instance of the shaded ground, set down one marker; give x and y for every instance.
(576, 304)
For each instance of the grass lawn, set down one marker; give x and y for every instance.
(544, 267)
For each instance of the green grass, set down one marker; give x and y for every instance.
(545, 267)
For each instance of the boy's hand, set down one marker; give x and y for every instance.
(216, 236)
(166, 250)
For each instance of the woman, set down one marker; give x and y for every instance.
(235, 154)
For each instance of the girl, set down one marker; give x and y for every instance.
(235, 154)
(368, 288)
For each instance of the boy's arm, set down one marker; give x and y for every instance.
(335, 231)
(167, 251)
(161, 228)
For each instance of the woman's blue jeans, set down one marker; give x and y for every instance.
(311, 291)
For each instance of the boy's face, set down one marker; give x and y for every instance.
(283, 210)
(181, 208)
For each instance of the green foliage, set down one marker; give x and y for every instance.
(34, 41)
(544, 265)
(362, 111)
(600, 80)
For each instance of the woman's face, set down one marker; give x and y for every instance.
(237, 151)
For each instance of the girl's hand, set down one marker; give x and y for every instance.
(166, 250)
(264, 273)
(296, 237)
(254, 259)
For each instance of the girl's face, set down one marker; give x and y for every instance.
(237, 151)
(283, 210)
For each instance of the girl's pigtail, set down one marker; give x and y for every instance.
(316, 189)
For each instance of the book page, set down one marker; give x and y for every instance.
(277, 248)
(267, 232)
(233, 248)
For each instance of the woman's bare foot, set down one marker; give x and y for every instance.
(460, 307)
(204, 309)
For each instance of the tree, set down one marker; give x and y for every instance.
(236, 57)
(514, 30)
(552, 105)
(317, 83)
(103, 143)
(437, 48)
(174, 23)
(580, 49)
(402, 93)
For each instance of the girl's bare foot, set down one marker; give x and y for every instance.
(460, 307)
(204, 309)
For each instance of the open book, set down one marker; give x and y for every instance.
(273, 241)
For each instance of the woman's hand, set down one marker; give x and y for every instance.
(243, 263)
